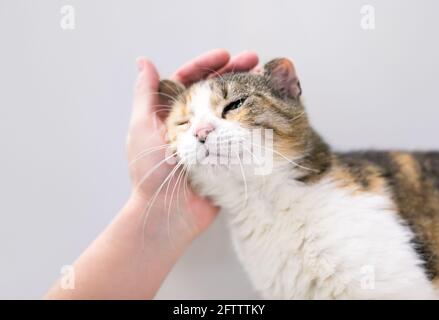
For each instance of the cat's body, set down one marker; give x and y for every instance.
(332, 239)
(319, 225)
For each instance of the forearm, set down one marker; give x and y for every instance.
(127, 261)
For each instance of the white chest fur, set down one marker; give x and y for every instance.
(318, 242)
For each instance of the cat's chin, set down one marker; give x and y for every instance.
(204, 179)
(211, 172)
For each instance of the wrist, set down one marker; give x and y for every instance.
(164, 230)
(123, 257)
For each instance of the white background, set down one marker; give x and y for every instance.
(65, 103)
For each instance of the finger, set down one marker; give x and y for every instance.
(258, 69)
(201, 67)
(145, 92)
(243, 62)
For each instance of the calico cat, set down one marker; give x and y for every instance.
(319, 224)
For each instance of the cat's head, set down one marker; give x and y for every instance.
(212, 119)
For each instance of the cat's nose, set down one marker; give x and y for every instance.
(203, 130)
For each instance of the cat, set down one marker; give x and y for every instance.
(319, 224)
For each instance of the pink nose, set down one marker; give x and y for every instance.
(203, 130)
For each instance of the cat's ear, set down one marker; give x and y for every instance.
(170, 91)
(283, 75)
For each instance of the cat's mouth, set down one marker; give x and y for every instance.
(213, 155)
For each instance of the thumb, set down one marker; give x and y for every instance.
(145, 93)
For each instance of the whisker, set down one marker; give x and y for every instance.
(170, 203)
(178, 188)
(215, 72)
(163, 106)
(185, 192)
(186, 184)
(244, 178)
(155, 168)
(151, 202)
(242, 139)
(169, 184)
(257, 160)
(174, 90)
(145, 152)
(171, 98)
(252, 154)
(285, 157)
(161, 110)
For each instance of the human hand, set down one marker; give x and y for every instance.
(127, 256)
(171, 211)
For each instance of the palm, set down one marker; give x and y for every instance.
(155, 176)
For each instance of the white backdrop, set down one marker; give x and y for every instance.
(65, 103)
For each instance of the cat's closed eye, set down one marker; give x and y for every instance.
(182, 122)
(232, 106)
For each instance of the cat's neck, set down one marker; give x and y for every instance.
(317, 161)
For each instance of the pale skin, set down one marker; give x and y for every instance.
(134, 254)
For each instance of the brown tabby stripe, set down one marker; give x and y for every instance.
(413, 180)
